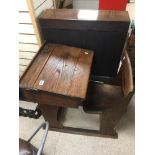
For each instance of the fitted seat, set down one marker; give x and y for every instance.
(102, 96)
(109, 100)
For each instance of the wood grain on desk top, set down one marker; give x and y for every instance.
(74, 14)
(65, 70)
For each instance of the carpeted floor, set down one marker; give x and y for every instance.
(71, 144)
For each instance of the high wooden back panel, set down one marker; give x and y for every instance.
(104, 32)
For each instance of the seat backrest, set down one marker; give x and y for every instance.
(102, 31)
(127, 77)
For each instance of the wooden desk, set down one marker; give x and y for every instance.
(104, 32)
(57, 77)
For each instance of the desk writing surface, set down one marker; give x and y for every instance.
(59, 69)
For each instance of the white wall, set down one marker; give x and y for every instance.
(27, 37)
(28, 44)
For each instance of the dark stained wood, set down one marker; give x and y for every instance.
(36, 67)
(64, 72)
(104, 32)
(52, 115)
(32, 62)
(110, 101)
(47, 98)
(127, 76)
(131, 50)
(102, 96)
(111, 116)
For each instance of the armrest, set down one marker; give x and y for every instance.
(127, 77)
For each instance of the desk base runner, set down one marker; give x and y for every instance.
(80, 131)
(52, 115)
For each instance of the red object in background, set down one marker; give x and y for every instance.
(113, 5)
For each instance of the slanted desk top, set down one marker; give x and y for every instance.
(59, 70)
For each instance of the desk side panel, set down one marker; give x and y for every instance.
(42, 97)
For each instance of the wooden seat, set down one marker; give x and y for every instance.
(110, 101)
(102, 96)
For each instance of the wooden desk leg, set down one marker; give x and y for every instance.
(51, 114)
(106, 126)
(109, 119)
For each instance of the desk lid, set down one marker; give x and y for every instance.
(59, 69)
